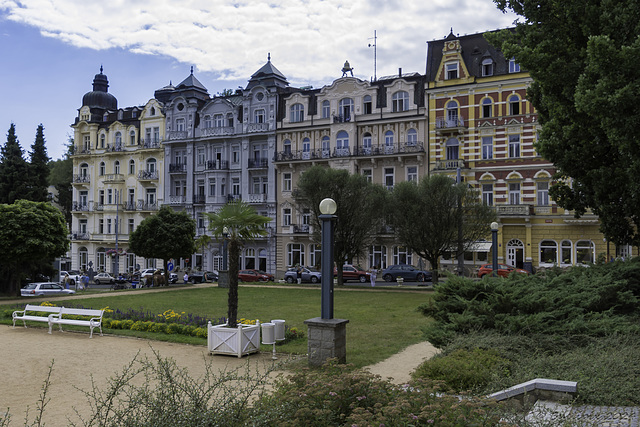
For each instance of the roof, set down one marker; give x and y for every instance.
(268, 75)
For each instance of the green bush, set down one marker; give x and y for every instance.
(462, 370)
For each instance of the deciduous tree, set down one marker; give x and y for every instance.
(432, 216)
(583, 58)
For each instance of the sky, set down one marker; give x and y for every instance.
(50, 51)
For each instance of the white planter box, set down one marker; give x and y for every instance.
(245, 339)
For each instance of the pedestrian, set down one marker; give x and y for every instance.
(85, 281)
(374, 274)
(299, 275)
(186, 277)
(66, 281)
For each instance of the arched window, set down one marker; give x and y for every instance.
(326, 147)
(548, 252)
(514, 105)
(326, 109)
(366, 143)
(342, 143)
(585, 252)
(118, 139)
(286, 146)
(153, 111)
(306, 148)
(151, 165)
(453, 149)
(102, 138)
(400, 101)
(297, 113)
(132, 137)
(452, 114)
(412, 137)
(84, 170)
(102, 168)
(487, 108)
(132, 167)
(566, 252)
(116, 167)
(346, 109)
(388, 142)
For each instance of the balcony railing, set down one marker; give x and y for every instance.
(150, 143)
(81, 179)
(177, 200)
(258, 163)
(79, 235)
(449, 164)
(146, 206)
(79, 207)
(113, 177)
(217, 131)
(199, 199)
(148, 175)
(176, 134)
(217, 165)
(114, 147)
(257, 198)
(177, 168)
(449, 122)
(384, 150)
(257, 127)
(514, 210)
(129, 206)
(304, 228)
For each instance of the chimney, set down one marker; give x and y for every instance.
(399, 72)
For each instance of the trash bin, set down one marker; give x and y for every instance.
(279, 329)
(268, 333)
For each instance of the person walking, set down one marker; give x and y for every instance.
(299, 275)
(186, 277)
(373, 274)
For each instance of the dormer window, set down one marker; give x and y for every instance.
(368, 105)
(297, 113)
(451, 71)
(400, 101)
(487, 67)
(105, 117)
(514, 67)
(153, 111)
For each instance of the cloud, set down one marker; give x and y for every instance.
(309, 40)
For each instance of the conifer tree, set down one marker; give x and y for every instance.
(13, 170)
(38, 169)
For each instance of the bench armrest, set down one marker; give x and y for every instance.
(18, 312)
(55, 316)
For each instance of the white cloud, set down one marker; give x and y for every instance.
(308, 39)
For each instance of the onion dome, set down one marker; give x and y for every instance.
(99, 97)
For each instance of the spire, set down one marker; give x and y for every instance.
(269, 57)
(192, 70)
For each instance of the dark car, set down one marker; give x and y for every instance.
(353, 272)
(252, 275)
(308, 275)
(407, 272)
(202, 276)
(504, 270)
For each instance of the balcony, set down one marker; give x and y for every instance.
(112, 148)
(199, 199)
(217, 131)
(150, 143)
(514, 210)
(81, 179)
(449, 164)
(147, 206)
(148, 175)
(176, 135)
(217, 165)
(258, 163)
(304, 228)
(79, 207)
(82, 152)
(177, 168)
(113, 177)
(177, 200)
(79, 235)
(129, 206)
(450, 124)
(257, 127)
(257, 198)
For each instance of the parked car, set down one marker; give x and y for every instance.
(252, 275)
(74, 277)
(104, 278)
(504, 270)
(44, 289)
(353, 272)
(308, 275)
(202, 276)
(147, 272)
(407, 272)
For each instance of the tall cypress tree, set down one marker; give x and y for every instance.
(13, 170)
(38, 169)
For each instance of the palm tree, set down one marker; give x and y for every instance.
(242, 223)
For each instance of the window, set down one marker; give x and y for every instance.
(543, 193)
(326, 109)
(84, 170)
(286, 181)
(487, 67)
(367, 104)
(514, 193)
(366, 143)
(342, 143)
(297, 113)
(156, 134)
(378, 257)
(315, 254)
(109, 228)
(116, 167)
(286, 217)
(487, 147)
(401, 255)
(514, 67)
(412, 173)
(212, 186)
(83, 226)
(451, 71)
(101, 197)
(235, 186)
(110, 196)
(102, 139)
(565, 252)
(259, 116)
(514, 146)
(230, 120)
(326, 146)
(368, 173)
(180, 125)
(132, 167)
(548, 252)
(306, 148)
(101, 226)
(201, 158)
(295, 254)
(585, 252)
(412, 137)
(389, 178)
(118, 139)
(102, 169)
(218, 120)
(286, 145)
(207, 121)
(132, 225)
(452, 149)
(84, 197)
(346, 109)
(151, 165)
(487, 194)
(132, 137)
(452, 114)
(151, 196)
(514, 105)
(400, 101)
(487, 108)
(86, 142)
(235, 155)
(132, 196)
(388, 142)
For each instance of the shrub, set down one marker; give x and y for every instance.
(462, 370)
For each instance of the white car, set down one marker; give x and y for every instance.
(74, 277)
(41, 289)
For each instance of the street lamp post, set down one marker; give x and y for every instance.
(327, 209)
(494, 247)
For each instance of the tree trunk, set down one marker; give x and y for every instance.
(435, 269)
(232, 302)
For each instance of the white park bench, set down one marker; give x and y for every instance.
(92, 318)
(37, 313)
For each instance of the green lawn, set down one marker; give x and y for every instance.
(381, 323)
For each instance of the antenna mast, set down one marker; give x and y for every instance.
(375, 54)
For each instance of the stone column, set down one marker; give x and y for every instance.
(327, 339)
